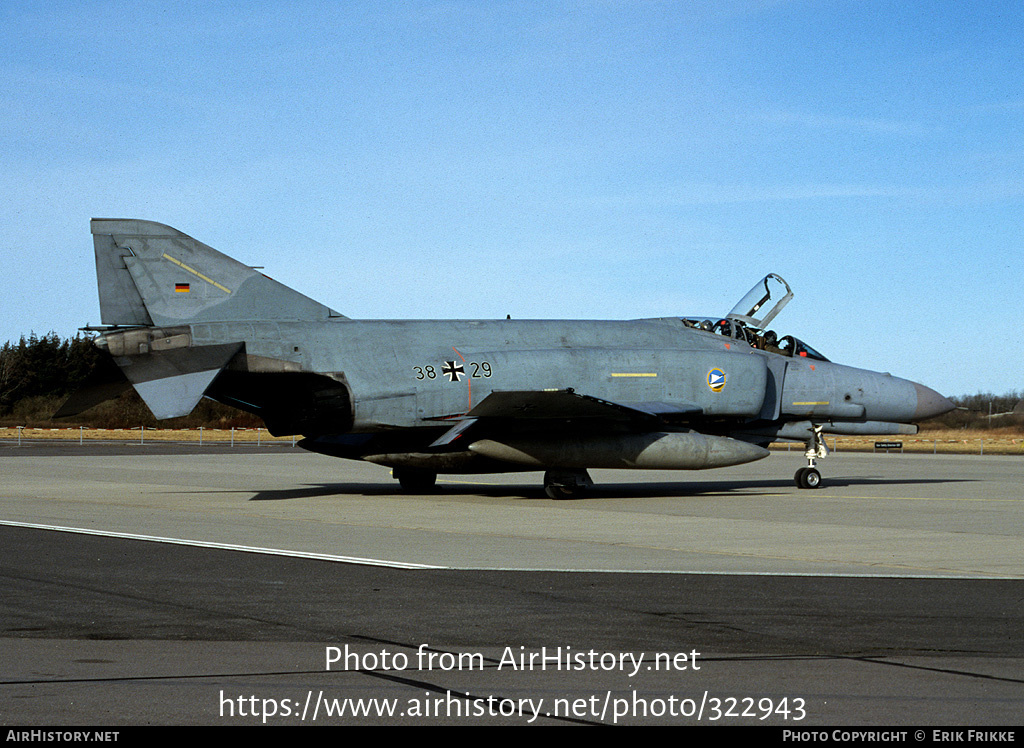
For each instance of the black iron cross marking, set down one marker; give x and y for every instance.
(453, 371)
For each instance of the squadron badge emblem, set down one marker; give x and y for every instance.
(716, 380)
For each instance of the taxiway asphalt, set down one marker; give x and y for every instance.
(892, 595)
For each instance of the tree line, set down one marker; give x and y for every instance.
(984, 410)
(44, 366)
(39, 372)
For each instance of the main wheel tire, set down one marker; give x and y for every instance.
(561, 493)
(812, 478)
(415, 480)
(798, 478)
(566, 484)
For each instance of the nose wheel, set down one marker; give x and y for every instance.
(809, 477)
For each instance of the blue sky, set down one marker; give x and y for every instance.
(607, 160)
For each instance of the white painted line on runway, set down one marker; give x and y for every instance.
(355, 560)
(227, 546)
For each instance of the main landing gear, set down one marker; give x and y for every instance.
(558, 484)
(566, 484)
(415, 480)
(809, 477)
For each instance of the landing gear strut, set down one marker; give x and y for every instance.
(415, 480)
(566, 484)
(809, 477)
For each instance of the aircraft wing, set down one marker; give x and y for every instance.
(568, 404)
(562, 405)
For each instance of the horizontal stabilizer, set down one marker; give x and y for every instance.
(175, 396)
(173, 382)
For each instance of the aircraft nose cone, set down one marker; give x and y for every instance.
(930, 403)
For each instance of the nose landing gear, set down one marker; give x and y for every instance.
(809, 477)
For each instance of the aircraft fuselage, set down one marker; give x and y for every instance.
(185, 321)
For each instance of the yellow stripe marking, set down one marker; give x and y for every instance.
(196, 273)
(634, 374)
(927, 498)
(824, 402)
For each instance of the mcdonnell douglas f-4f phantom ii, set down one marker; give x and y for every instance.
(183, 321)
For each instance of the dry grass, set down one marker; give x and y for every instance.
(220, 436)
(959, 441)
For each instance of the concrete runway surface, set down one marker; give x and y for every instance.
(893, 595)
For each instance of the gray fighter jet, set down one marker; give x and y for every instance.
(183, 321)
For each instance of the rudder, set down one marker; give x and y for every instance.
(151, 274)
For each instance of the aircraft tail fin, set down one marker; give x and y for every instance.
(150, 274)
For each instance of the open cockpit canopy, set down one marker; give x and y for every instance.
(749, 318)
(762, 303)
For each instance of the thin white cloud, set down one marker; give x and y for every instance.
(714, 194)
(858, 125)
